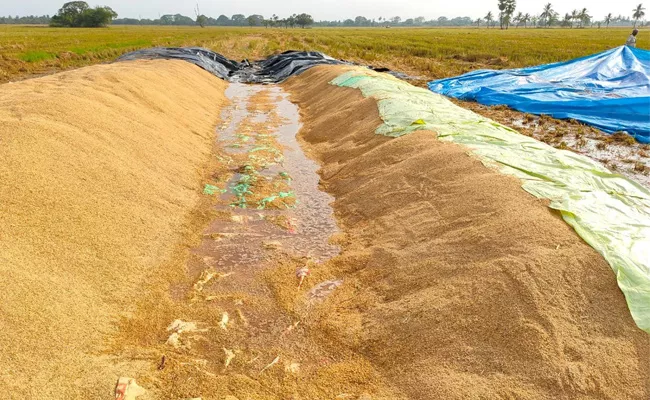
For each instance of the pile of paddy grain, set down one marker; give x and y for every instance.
(458, 284)
(99, 173)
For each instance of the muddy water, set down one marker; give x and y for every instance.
(310, 220)
(255, 231)
(301, 229)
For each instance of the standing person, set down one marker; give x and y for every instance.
(631, 40)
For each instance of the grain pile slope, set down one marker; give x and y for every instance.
(459, 285)
(99, 170)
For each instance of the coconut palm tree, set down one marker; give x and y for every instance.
(584, 17)
(547, 15)
(568, 20)
(526, 19)
(511, 5)
(502, 12)
(518, 19)
(489, 18)
(608, 19)
(575, 16)
(478, 22)
(638, 13)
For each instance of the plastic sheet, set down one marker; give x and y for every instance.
(609, 211)
(274, 69)
(609, 90)
(279, 67)
(210, 61)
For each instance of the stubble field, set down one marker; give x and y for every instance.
(428, 53)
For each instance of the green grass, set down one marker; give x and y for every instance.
(35, 56)
(430, 53)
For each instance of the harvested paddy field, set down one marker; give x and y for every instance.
(428, 53)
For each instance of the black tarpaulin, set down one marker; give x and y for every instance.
(274, 69)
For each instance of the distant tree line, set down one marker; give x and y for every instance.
(292, 21)
(549, 17)
(27, 20)
(362, 21)
(301, 20)
(77, 13)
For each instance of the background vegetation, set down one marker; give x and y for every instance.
(505, 17)
(75, 14)
(429, 53)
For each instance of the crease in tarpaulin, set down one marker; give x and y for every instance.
(273, 69)
(610, 212)
(608, 90)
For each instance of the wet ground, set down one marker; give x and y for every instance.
(271, 205)
(259, 135)
(272, 202)
(273, 225)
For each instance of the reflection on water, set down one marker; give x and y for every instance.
(302, 229)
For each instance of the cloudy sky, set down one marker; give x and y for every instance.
(323, 9)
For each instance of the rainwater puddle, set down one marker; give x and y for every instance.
(273, 197)
(311, 219)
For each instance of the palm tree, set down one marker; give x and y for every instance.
(608, 19)
(575, 16)
(547, 15)
(584, 17)
(517, 19)
(502, 11)
(526, 19)
(511, 5)
(638, 13)
(478, 22)
(489, 18)
(568, 20)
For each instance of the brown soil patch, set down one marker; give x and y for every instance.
(99, 175)
(458, 284)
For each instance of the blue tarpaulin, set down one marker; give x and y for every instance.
(609, 90)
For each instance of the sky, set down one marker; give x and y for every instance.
(323, 9)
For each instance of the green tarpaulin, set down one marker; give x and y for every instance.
(609, 211)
